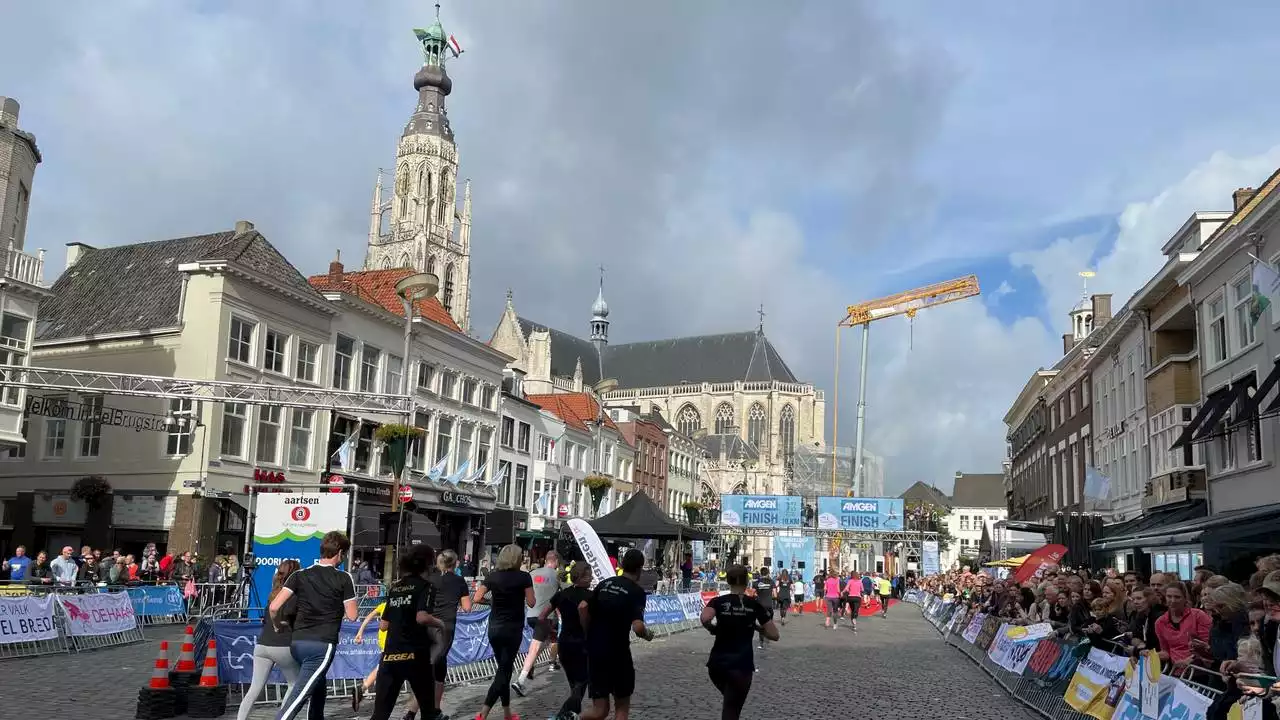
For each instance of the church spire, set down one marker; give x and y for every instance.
(600, 323)
(432, 83)
(758, 367)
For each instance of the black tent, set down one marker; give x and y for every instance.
(640, 518)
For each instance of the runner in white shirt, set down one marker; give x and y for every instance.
(797, 591)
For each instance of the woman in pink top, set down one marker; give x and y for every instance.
(1180, 625)
(853, 599)
(831, 591)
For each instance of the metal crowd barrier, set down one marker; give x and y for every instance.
(1042, 686)
(66, 643)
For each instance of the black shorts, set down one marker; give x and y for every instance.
(573, 658)
(784, 602)
(855, 604)
(543, 631)
(611, 674)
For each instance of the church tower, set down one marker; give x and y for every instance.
(424, 230)
(600, 324)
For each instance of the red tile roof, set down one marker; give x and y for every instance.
(575, 409)
(378, 287)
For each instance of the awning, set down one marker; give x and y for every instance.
(1010, 563)
(1188, 531)
(1203, 426)
(1273, 408)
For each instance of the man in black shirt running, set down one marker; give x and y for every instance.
(407, 655)
(614, 610)
(763, 586)
(573, 648)
(325, 595)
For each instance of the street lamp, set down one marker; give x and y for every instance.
(410, 289)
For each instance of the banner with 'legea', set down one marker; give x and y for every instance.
(100, 614)
(26, 619)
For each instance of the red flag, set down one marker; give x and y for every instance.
(1036, 561)
(453, 43)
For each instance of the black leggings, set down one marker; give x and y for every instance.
(393, 675)
(573, 658)
(505, 648)
(734, 685)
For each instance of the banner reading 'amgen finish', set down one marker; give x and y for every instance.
(775, 511)
(845, 513)
(290, 525)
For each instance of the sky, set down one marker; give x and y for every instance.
(715, 156)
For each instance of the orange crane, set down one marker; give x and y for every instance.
(904, 303)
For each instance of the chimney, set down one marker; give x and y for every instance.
(243, 226)
(335, 269)
(75, 251)
(1101, 309)
(1068, 342)
(8, 112)
(1242, 196)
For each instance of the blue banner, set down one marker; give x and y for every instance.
(791, 551)
(777, 511)
(156, 600)
(289, 525)
(663, 610)
(844, 513)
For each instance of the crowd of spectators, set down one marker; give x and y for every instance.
(93, 566)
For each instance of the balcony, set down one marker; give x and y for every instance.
(1175, 380)
(23, 267)
(1174, 487)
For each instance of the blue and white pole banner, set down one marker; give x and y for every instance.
(770, 511)
(930, 560)
(663, 610)
(26, 619)
(842, 513)
(592, 550)
(791, 550)
(699, 552)
(692, 604)
(157, 600)
(290, 525)
(100, 614)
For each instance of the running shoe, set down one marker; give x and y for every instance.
(555, 665)
(518, 687)
(356, 698)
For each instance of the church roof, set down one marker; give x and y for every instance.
(728, 357)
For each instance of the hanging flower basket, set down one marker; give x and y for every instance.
(598, 485)
(396, 437)
(693, 510)
(91, 490)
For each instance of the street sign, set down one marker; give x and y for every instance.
(406, 493)
(192, 483)
(337, 482)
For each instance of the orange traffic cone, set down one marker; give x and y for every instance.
(160, 676)
(187, 658)
(209, 678)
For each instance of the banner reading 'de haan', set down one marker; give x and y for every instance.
(100, 614)
(26, 619)
(290, 525)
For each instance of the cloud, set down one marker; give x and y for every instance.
(1003, 289)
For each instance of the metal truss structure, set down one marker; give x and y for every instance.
(914, 537)
(148, 386)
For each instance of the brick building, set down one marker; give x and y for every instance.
(650, 443)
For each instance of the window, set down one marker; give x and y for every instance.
(484, 448)
(308, 357)
(447, 382)
(17, 452)
(1084, 394)
(724, 419)
(269, 434)
(508, 433)
(466, 433)
(688, 421)
(964, 522)
(425, 374)
(235, 416)
(522, 438)
(395, 371)
(444, 438)
(1071, 403)
(544, 448)
(469, 391)
(240, 341)
(369, 357)
(418, 450)
(91, 427)
(1241, 303)
(442, 201)
(300, 432)
(787, 429)
(1216, 338)
(519, 497)
(274, 345)
(13, 346)
(344, 357)
(1252, 429)
(447, 298)
(364, 449)
(504, 488)
(486, 397)
(607, 465)
(178, 440)
(756, 425)
(1133, 385)
(55, 432)
(1224, 451)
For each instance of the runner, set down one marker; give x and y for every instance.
(886, 591)
(450, 591)
(763, 586)
(325, 596)
(572, 642)
(853, 590)
(363, 689)
(799, 593)
(272, 648)
(831, 592)
(512, 590)
(545, 584)
(868, 586)
(733, 619)
(614, 610)
(784, 594)
(407, 653)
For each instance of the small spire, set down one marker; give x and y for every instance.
(761, 313)
(510, 302)
(437, 11)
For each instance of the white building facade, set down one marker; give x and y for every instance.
(1120, 437)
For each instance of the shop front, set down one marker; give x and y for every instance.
(1228, 542)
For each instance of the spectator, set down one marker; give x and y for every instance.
(40, 573)
(19, 565)
(1144, 609)
(88, 574)
(130, 573)
(183, 569)
(1226, 605)
(166, 565)
(1180, 625)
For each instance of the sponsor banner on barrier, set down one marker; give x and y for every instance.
(776, 511)
(100, 614)
(987, 634)
(290, 525)
(1091, 684)
(26, 619)
(838, 513)
(692, 604)
(157, 600)
(1052, 661)
(1014, 645)
(1185, 704)
(975, 626)
(663, 610)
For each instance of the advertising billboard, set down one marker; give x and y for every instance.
(290, 526)
(775, 511)
(846, 513)
(791, 551)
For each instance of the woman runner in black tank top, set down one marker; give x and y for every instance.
(734, 620)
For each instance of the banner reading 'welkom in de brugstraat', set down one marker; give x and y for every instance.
(290, 525)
